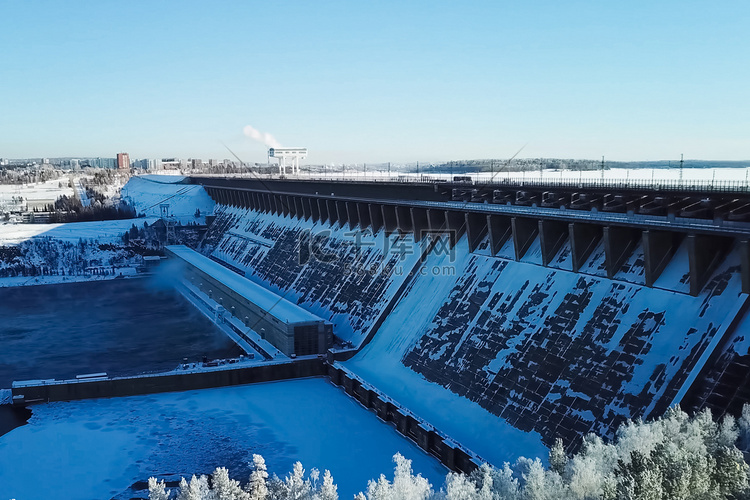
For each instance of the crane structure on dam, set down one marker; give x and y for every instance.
(294, 155)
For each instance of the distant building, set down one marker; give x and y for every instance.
(101, 162)
(197, 163)
(171, 163)
(123, 161)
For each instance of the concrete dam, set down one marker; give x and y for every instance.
(550, 312)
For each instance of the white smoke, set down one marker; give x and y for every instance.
(264, 137)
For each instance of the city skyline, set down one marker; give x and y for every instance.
(392, 82)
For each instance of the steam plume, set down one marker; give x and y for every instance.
(264, 137)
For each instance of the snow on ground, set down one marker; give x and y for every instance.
(147, 193)
(625, 174)
(49, 190)
(125, 272)
(98, 448)
(103, 231)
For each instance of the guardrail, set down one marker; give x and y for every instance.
(491, 180)
(720, 186)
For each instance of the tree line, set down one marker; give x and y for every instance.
(675, 457)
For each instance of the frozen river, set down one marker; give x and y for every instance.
(121, 327)
(99, 448)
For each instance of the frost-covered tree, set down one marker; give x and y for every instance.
(743, 424)
(557, 457)
(225, 488)
(196, 489)
(295, 486)
(540, 483)
(675, 457)
(157, 490)
(257, 487)
(328, 489)
(405, 485)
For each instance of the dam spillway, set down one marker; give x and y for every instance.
(555, 325)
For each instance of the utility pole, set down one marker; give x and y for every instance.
(681, 165)
(602, 169)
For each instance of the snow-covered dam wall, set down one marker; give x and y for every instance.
(520, 333)
(331, 271)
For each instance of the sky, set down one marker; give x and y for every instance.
(376, 81)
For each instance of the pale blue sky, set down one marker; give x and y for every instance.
(377, 81)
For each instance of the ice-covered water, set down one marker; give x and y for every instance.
(99, 448)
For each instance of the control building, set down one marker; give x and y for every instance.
(284, 324)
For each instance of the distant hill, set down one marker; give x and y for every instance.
(530, 164)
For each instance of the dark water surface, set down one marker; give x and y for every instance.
(12, 417)
(122, 327)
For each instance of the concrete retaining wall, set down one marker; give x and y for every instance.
(170, 382)
(424, 435)
(450, 454)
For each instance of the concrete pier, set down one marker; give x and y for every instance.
(619, 243)
(583, 240)
(552, 236)
(524, 233)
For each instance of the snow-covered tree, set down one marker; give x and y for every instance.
(405, 485)
(295, 487)
(557, 457)
(196, 489)
(328, 489)
(676, 457)
(460, 487)
(225, 488)
(157, 490)
(744, 429)
(257, 487)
